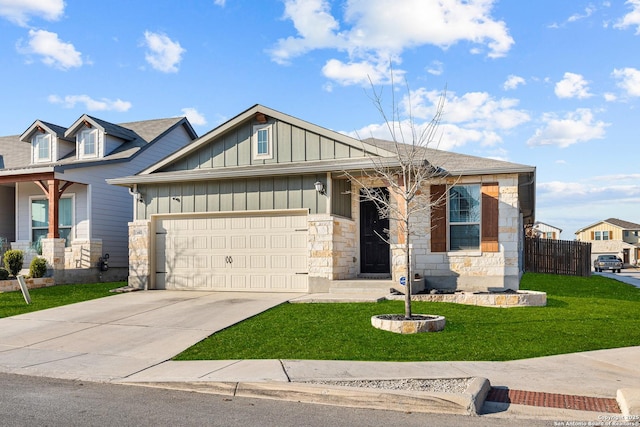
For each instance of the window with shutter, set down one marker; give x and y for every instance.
(490, 208)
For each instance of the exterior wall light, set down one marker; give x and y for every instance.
(320, 188)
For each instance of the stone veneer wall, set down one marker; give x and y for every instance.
(332, 247)
(139, 256)
(476, 270)
(83, 254)
(467, 270)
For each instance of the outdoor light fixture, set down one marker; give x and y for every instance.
(320, 188)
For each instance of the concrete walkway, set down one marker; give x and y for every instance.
(130, 338)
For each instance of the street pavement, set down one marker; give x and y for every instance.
(131, 338)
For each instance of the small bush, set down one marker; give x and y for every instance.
(13, 260)
(38, 267)
(4, 274)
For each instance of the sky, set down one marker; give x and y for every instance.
(551, 84)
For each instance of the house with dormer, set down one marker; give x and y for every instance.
(54, 199)
(613, 236)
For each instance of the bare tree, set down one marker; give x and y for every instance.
(406, 174)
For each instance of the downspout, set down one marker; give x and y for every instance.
(136, 196)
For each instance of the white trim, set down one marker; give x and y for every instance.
(72, 231)
(80, 143)
(35, 149)
(254, 144)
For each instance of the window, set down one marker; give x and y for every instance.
(464, 217)
(601, 235)
(262, 145)
(88, 144)
(42, 148)
(40, 219)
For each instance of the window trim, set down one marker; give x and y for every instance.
(81, 143)
(256, 130)
(71, 227)
(36, 142)
(451, 224)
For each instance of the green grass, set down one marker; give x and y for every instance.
(12, 303)
(581, 314)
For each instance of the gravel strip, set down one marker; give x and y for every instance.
(443, 385)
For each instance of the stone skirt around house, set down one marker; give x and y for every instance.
(12, 285)
(519, 298)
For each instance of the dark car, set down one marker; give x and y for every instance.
(607, 262)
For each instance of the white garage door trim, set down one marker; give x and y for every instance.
(258, 251)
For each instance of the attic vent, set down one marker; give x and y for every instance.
(261, 118)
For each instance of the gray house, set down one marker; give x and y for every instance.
(54, 199)
(262, 203)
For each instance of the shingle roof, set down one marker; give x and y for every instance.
(15, 154)
(626, 225)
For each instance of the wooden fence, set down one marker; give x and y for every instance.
(571, 258)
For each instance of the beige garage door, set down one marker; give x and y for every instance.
(262, 253)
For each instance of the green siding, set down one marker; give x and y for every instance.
(238, 195)
(341, 198)
(289, 144)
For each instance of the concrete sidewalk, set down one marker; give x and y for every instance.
(130, 338)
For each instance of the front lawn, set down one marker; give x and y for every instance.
(581, 314)
(12, 303)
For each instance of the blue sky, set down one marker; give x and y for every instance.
(553, 84)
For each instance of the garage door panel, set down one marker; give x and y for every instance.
(254, 252)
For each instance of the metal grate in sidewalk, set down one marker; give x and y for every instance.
(553, 400)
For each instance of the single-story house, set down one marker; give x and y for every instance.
(54, 198)
(613, 236)
(262, 203)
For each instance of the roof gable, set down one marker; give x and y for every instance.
(294, 141)
(623, 225)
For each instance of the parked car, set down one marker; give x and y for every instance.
(607, 262)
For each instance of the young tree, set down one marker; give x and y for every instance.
(407, 175)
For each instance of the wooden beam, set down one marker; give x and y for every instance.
(54, 198)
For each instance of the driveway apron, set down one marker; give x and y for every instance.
(112, 338)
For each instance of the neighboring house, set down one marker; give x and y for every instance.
(613, 237)
(546, 231)
(54, 198)
(261, 203)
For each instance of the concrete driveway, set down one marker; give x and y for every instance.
(112, 338)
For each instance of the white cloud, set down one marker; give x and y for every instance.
(629, 80)
(195, 117)
(90, 104)
(53, 51)
(631, 19)
(572, 86)
(220, 3)
(163, 53)
(577, 126)
(377, 32)
(513, 82)
(436, 68)
(359, 73)
(20, 11)
(471, 118)
(588, 11)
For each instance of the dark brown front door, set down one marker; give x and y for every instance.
(374, 250)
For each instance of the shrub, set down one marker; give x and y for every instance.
(13, 260)
(4, 274)
(38, 267)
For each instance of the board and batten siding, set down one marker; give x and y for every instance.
(290, 144)
(250, 194)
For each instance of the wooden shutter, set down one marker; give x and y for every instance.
(438, 218)
(593, 235)
(489, 218)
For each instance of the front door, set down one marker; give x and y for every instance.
(374, 249)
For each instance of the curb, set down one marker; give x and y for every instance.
(467, 403)
(629, 401)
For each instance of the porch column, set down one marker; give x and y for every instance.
(53, 194)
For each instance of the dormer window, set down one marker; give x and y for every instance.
(42, 147)
(88, 143)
